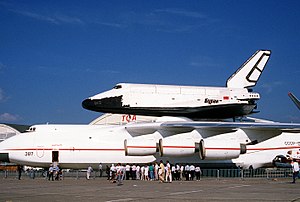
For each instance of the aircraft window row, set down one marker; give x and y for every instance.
(254, 95)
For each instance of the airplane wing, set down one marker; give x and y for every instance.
(295, 100)
(172, 128)
(292, 127)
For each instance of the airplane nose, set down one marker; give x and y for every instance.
(4, 157)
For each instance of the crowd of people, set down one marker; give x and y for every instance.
(158, 171)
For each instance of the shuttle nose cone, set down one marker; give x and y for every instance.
(107, 104)
(88, 104)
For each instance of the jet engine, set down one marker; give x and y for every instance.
(177, 147)
(220, 150)
(140, 147)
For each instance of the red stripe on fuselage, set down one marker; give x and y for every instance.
(63, 149)
(175, 147)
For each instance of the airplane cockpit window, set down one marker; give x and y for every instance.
(118, 87)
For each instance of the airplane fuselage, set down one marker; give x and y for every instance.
(90, 145)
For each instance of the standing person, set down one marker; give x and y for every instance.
(156, 168)
(174, 173)
(100, 169)
(178, 172)
(151, 171)
(113, 172)
(88, 172)
(198, 173)
(161, 171)
(119, 173)
(181, 172)
(133, 172)
(295, 167)
(20, 169)
(127, 167)
(187, 172)
(123, 172)
(138, 172)
(143, 172)
(107, 171)
(168, 172)
(50, 172)
(192, 171)
(146, 172)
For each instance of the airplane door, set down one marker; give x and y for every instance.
(55, 155)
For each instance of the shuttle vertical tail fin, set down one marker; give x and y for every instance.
(248, 74)
(294, 99)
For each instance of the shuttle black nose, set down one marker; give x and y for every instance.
(107, 104)
(4, 157)
(88, 104)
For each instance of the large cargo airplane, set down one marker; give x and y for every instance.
(195, 102)
(179, 140)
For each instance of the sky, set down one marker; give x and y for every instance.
(54, 54)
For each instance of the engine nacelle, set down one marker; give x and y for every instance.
(220, 150)
(177, 147)
(140, 147)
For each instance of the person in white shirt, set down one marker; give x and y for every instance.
(127, 167)
(88, 172)
(156, 168)
(119, 173)
(168, 172)
(192, 172)
(198, 173)
(181, 172)
(187, 172)
(138, 172)
(113, 172)
(133, 172)
(146, 172)
(295, 167)
(100, 169)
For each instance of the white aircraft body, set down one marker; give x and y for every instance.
(178, 140)
(195, 102)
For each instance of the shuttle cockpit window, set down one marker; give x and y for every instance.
(118, 86)
(31, 129)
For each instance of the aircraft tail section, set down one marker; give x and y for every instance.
(295, 100)
(248, 74)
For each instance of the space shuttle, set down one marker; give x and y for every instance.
(195, 102)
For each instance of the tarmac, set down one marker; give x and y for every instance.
(100, 189)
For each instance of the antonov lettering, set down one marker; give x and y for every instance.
(128, 118)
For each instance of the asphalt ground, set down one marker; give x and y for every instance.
(99, 189)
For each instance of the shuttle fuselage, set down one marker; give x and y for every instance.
(195, 102)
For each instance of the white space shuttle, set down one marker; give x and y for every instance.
(194, 102)
(179, 140)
